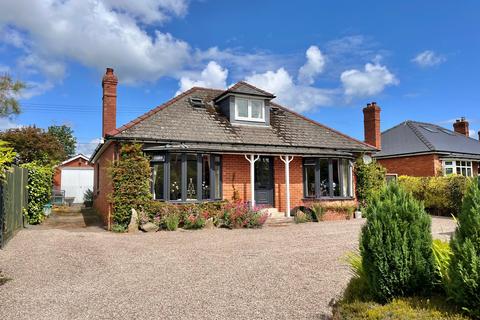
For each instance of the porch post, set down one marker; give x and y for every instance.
(287, 161)
(252, 159)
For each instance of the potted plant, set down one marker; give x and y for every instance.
(88, 198)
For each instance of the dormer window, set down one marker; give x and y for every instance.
(249, 109)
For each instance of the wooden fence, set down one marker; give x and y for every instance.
(13, 199)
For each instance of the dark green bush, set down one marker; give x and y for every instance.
(465, 263)
(130, 180)
(39, 190)
(440, 195)
(396, 245)
(370, 180)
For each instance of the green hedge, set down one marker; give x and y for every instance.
(39, 190)
(440, 195)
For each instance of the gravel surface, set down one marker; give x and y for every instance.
(288, 272)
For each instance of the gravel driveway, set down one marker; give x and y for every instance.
(289, 272)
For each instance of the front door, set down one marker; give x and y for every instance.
(264, 181)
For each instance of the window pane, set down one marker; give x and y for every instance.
(205, 176)
(218, 180)
(257, 107)
(336, 181)
(175, 176)
(309, 180)
(324, 180)
(158, 170)
(242, 108)
(469, 172)
(191, 177)
(448, 163)
(448, 170)
(344, 178)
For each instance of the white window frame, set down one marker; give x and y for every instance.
(249, 107)
(458, 165)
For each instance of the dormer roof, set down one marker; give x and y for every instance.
(244, 88)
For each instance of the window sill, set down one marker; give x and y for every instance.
(329, 199)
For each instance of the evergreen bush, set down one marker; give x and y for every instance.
(465, 263)
(131, 183)
(370, 179)
(39, 190)
(396, 245)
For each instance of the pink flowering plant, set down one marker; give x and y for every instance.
(240, 215)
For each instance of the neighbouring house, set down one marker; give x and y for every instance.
(72, 178)
(423, 149)
(208, 144)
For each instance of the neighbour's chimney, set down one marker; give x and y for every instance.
(109, 114)
(461, 126)
(371, 122)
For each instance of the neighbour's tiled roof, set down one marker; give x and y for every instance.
(411, 137)
(179, 121)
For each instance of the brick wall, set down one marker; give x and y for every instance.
(236, 176)
(77, 163)
(417, 166)
(102, 184)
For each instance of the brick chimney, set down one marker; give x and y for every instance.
(371, 122)
(461, 126)
(109, 114)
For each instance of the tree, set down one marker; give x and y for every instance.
(9, 91)
(464, 269)
(64, 135)
(34, 144)
(396, 245)
(7, 156)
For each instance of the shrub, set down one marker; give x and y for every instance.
(7, 156)
(406, 308)
(301, 217)
(88, 198)
(464, 269)
(194, 221)
(441, 195)
(357, 288)
(130, 181)
(39, 190)
(171, 221)
(119, 228)
(396, 245)
(442, 254)
(370, 180)
(239, 215)
(317, 212)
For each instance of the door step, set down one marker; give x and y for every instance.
(274, 213)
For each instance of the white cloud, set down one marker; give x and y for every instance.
(313, 67)
(428, 58)
(372, 80)
(473, 134)
(88, 148)
(7, 123)
(298, 97)
(99, 33)
(213, 76)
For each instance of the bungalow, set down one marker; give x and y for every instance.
(424, 149)
(207, 144)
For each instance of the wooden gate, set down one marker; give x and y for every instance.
(13, 200)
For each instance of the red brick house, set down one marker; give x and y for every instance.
(423, 149)
(207, 144)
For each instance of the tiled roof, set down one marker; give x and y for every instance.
(412, 137)
(179, 121)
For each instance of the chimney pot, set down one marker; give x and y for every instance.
(461, 126)
(109, 109)
(371, 122)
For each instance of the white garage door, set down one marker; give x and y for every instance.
(75, 181)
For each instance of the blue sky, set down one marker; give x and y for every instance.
(418, 60)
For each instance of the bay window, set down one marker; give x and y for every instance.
(186, 177)
(460, 167)
(327, 178)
